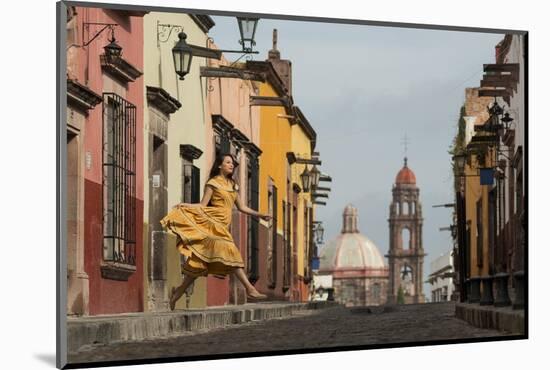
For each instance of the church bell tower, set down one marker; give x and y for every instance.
(406, 253)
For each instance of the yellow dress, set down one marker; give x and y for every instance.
(203, 233)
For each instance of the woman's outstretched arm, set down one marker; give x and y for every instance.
(244, 209)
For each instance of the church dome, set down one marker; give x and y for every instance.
(405, 175)
(350, 249)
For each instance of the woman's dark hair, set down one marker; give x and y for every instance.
(215, 171)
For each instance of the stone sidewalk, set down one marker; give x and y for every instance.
(107, 329)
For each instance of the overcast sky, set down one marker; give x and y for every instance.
(364, 88)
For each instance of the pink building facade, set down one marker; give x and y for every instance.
(234, 127)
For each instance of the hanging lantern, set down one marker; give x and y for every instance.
(319, 231)
(112, 50)
(460, 160)
(183, 54)
(315, 175)
(247, 29)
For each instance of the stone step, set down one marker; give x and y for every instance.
(104, 329)
(504, 319)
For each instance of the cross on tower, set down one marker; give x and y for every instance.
(405, 143)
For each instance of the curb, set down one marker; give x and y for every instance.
(487, 317)
(106, 329)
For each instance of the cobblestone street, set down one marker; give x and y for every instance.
(329, 327)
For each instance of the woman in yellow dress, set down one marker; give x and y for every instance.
(203, 234)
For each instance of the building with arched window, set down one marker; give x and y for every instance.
(406, 252)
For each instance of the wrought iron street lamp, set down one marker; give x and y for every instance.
(113, 50)
(247, 29)
(305, 180)
(183, 54)
(460, 160)
(314, 174)
(507, 120)
(319, 233)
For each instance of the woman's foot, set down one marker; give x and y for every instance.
(172, 301)
(254, 295)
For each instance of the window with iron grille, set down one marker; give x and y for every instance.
(274, 236)
(295, 234)
(493, 226)
(190, 192)
(119, 179)
(306, 238)
(252, 189)
(286, 281)
(479, 240)
(287, 244)
(222, 144)
(271, 240)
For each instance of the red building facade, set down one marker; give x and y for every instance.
(110, 155)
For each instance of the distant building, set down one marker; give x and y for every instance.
(359, 273)
(321, 286)
(441, 278)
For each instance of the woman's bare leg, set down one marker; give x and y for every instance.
(178, 292)
(244, 280)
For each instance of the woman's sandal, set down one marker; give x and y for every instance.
(171, 295)
(254, 298)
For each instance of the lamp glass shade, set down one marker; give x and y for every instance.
(305, 180)
(315, 174)
(113, 50)
(319, 231)
(247, 29)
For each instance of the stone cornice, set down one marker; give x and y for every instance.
(190, 151)
(162, 100)
(81, 96)
(253, 148)
(266, 68)
(205, 22)
(220, 123)
(120, 68)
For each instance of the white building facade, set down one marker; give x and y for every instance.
(441, 278)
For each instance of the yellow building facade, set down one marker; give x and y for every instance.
(285, 135)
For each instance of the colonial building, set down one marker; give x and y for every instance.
(105, 160)
(233, 126)
(285, 241)
(441, 278)
(406, 250)
(489, 169)
(359, 273)
(175, 140)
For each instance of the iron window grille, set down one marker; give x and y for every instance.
(119, 179)
(190, 183)
(253, 200)
(479, 239)
(272, 246)
(285, 252)
(288, 244)
(222, 144)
